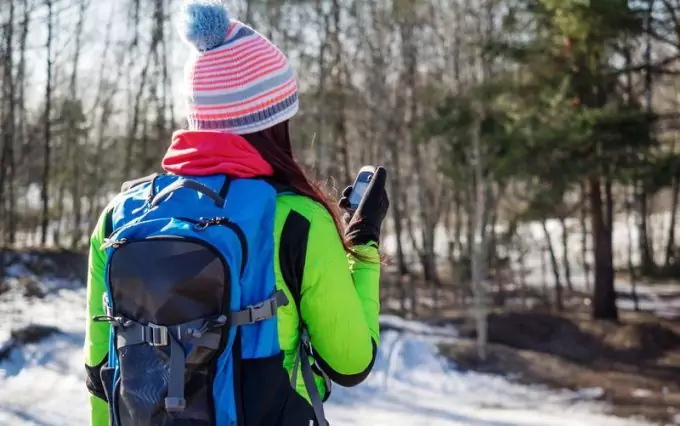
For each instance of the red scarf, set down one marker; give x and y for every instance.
(202, 153)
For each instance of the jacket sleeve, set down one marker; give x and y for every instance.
(340, 303)
(96, 334)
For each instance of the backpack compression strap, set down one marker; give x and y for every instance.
(302, 360)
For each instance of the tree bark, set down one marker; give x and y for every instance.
(47, 131)
(426, 199)
(565, 254)
(77, 157)
(8, 134)
(559, 304)
(670, 245)
(604, 297)
(584, 235)
(631, 266)
(341, 160)
(249, 12)
(22, 122)
(648, 263)
(319, 139)
(397, 187)
(58, 221)
(479, 240)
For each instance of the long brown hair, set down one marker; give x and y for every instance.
(275, 147)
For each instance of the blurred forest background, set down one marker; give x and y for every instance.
(495, 118)
(533, 146)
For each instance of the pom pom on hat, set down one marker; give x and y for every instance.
(204, 23)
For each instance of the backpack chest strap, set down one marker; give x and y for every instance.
(199, 333)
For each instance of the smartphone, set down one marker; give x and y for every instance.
(360, 185)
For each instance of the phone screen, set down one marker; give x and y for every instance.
(357, 193)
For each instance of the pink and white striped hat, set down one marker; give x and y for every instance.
(237, 81)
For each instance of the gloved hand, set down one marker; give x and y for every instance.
(363, 225)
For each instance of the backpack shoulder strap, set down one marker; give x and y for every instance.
(126, 186)
(136, 182)
(191, 184)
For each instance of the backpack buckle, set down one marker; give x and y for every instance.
(155, 335)
(262, 311)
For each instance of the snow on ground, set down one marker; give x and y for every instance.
(43, 384)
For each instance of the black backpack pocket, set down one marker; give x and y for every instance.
(169, 296)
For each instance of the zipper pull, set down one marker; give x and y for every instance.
(206, 223)
(108, 243)
(220, 220)
(202, 225)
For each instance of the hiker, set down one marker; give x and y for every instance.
(228, 291)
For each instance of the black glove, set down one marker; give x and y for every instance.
(363, 225)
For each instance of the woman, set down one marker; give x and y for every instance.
(242, 93)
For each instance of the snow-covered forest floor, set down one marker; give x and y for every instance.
(42, 383)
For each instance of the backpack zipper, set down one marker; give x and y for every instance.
(203, 224)
(199, 226)
(113, 243)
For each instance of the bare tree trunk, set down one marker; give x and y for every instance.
(134, 126)
(492, 255)
(167, 75)
(648, 264)
(647, 259)
(100, 115)
(21, 127)
(403, 294)
(451, 246)
(523, 275)
(479, 241)
(544, 275)
(426, 199)
(248, 19)
(565, 254)
(76, 158)
(8, 134)
(631, 265)
(584, 235)
(58, 221)
(319, 139)
(458, 234)
(339, 167)
(559, 304)
(47, 129)
(604, 300)
(629, 191)
(670, 245)
(141, 87)
(397, 187)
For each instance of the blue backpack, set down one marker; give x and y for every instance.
(190, 293)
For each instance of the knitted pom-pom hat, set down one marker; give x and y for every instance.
(237, 81)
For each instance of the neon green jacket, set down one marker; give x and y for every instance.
(339, 299)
